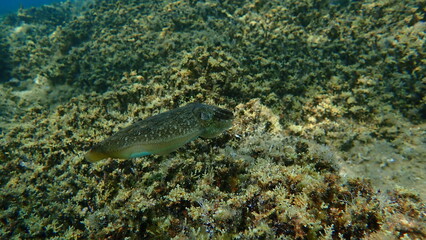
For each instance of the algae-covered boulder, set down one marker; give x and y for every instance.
(327, 141)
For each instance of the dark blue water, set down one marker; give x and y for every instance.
(9, 6)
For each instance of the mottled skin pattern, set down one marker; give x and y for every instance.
(163, 133)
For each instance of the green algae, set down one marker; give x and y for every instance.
(315, 86)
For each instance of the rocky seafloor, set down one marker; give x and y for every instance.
(328, 140)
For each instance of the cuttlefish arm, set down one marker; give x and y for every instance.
(163, 133)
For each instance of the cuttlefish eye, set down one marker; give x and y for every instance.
(206, 116)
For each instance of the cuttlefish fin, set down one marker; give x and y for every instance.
(140, 149)
(94, 156)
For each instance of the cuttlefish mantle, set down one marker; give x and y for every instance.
(163, 133)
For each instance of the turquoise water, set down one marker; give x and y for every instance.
(13, 6)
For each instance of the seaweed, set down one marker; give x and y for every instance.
(328, 98)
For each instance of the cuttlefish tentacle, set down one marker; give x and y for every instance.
(163, 133)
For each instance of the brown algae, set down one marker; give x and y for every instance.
(326, 95)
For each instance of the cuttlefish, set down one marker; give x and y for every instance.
(163, 133)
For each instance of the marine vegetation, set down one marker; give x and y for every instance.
(328, 120)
